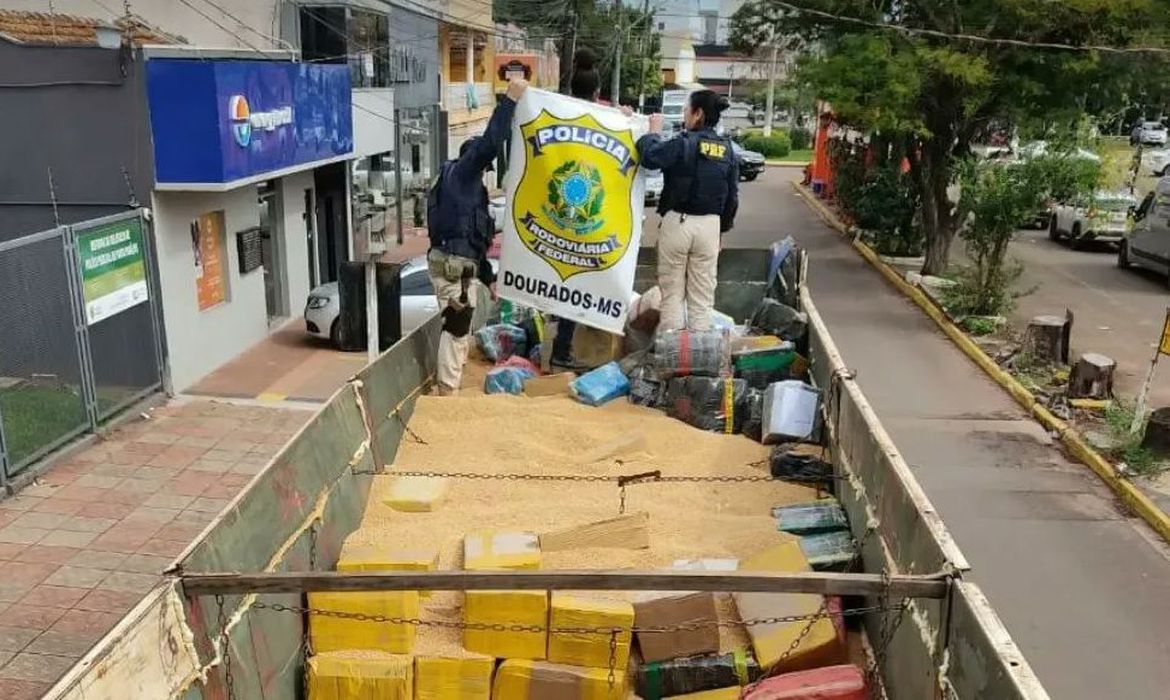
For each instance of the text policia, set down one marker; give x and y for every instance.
(586, 301)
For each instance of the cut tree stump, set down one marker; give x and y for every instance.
(1157, 437)
(1045, 339)
(1092, 377)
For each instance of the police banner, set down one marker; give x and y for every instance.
(574, 210)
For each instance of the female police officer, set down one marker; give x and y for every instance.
(699, 200)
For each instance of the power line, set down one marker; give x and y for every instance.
(245, 25)
(971, 38)
(207, 17)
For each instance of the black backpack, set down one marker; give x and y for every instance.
(434, 195)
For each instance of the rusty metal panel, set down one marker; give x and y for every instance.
(982, 659)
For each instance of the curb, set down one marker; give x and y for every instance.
(1076, 446)
(786, 163)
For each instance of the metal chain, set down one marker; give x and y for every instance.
(225, 643)
(406, 429)
(594, 478)
(622, 500)
(885, 635)
(502, 627)
(822, 611)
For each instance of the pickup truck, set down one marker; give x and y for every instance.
(230, 618)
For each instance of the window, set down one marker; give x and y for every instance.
(710, 27)
(662, 26)
(343, 35)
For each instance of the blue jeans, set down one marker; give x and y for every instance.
(563, 343)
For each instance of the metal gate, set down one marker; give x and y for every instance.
(79, 333)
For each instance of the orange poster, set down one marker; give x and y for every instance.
(207, 248)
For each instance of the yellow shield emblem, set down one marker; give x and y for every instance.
(572, 204)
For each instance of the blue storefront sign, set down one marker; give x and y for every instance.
(217, 122)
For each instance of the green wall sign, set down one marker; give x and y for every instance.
(113, 268)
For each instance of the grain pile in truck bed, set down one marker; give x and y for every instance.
(556, 435)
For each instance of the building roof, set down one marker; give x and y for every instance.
(45, 29)
(716, 51)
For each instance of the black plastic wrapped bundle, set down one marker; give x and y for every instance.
(692, 353)
(647, 388)
(704, 402)
(774, 318)
(662, 679)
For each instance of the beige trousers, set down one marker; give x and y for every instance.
(688, 255)
(452, 350)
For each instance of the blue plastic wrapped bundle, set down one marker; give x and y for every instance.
(806, 518)
(601, 385)
(501, 341)
(506, 380)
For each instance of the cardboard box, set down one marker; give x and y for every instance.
(585, 648)
(339, 634)
(527, 608)
(657, 610)
(549, 385)
(821, 646)
(343, 677)
(540, 680)
(489, 549)
(441, 678)
(594, 347)
(378, 557)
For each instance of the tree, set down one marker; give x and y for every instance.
(579, 24)
(928, 96)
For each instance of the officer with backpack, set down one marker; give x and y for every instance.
(699, 200)
(461, 232)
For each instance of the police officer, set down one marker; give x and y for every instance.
(461, 231)
(699, 200)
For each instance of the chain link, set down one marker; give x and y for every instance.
(406, 429)
(225, 650)
(515, 628)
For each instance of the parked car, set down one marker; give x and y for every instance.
(418, 303)
(654, 184)
(751, 163)
(1148, 244)
(1157, 161)
(1103, 217)
(1151, 133)
(497, 211)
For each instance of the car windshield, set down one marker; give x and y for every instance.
(1153, 126)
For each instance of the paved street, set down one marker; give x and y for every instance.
(1082, 589)
(1118, 312)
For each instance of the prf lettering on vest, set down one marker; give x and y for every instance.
(716, 151)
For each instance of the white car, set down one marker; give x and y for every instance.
(654, 185)
(323, 307)
(1157, 161)
(497, 211)
(1148, 245)
(1150, 133)
(1104, 217)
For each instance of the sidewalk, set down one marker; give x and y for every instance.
(88, 541)
(1081, 587)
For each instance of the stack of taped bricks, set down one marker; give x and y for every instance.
(540, 645)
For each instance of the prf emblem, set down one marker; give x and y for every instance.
(713, 150)
(572, 205)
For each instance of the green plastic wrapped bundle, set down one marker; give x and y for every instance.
(828, 551)
(807, 518)
(693, 674)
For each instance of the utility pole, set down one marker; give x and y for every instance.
(616, 86)
(645, 53)
(771, 89)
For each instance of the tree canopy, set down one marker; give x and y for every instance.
(930, 95)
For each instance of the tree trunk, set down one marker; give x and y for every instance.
(938, 220)
(1092, 377)
(1044, 339)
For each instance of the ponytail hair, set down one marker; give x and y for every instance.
(586, 80)
(710, 103)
